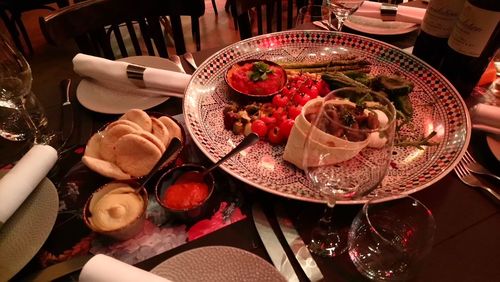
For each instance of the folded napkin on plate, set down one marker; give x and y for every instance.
(23, 178)
(404, 14)
(113, 74)
(102, 268)
(486, 117)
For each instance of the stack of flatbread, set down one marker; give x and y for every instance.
(131, 146)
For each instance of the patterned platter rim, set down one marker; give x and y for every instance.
(454, 110)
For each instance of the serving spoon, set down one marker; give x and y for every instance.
(174, 145)
(198, 176)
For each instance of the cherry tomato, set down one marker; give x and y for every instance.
(285, 91)
(292, 92)
(301, 99)
(280, 100)
(286, 127)
(270, 121)
(260, 128)
(274, 136)
(313, 91)
(294, 111)
(280, 115)
(323, 88)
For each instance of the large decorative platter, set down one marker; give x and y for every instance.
(437, 107)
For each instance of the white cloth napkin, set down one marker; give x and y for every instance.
(102, 268)
(23, 178)
(404, 14)
(486, 118)
(113, 74)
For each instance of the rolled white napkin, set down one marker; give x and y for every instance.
(486, 118)
(113, 74)
(102, 268)
(404, 14)
(23, 178)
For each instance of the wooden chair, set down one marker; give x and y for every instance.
(91, 24)
(247, 11)
(11, 13)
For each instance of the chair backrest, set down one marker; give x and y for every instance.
(92, 23)
(249, 10)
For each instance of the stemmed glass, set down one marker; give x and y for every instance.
(346, 154)
(343, 9)
(21, 115)
(389, 240)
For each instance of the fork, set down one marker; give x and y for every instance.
(469, 179)
(476, 167)
(189, 58)
(177, 60)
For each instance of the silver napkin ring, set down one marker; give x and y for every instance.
(135, 74)
(388, 12)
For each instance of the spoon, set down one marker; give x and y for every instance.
(174, 145)
(198, 176)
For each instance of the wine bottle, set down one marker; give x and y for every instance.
(472, 44)
(438, 22)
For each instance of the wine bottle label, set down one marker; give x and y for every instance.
(473, 30)
(441, 16)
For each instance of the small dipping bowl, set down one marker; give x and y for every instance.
(170, 177)
(248, 96)
(123, 232)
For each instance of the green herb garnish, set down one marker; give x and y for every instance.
(259, 71)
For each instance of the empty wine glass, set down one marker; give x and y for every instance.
(346, 153)
(343, 9)
(314, 13)
(388, 240)
(21, 115)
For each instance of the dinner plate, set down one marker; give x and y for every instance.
(493, 142)
(217, 263)
(437, 107)
(27, 229)
(378, 27)
(100, 99)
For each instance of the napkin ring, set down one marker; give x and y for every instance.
(135, 74)
(388, 12)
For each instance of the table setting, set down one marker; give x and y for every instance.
(385, 202)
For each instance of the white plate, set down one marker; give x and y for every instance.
(217, 263)
(379, 27)
(494, 144)
(22, 236)
(105, 100)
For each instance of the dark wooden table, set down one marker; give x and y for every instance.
(468, 221)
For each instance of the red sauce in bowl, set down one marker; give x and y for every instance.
(185, 195)
(242, 78)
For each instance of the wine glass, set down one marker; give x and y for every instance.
(388, 240)
(346, 153)
(314, 13)
(343, 9)
(22, 117)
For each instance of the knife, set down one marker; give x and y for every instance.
(272, 244)
(299, 248)
(60, 270)
(67, 112)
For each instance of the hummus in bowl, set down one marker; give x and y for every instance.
(116, 210)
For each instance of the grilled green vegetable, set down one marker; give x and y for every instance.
(392, 85)
(338, 80)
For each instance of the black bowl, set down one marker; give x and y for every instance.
(248, 96)
(193, 213)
